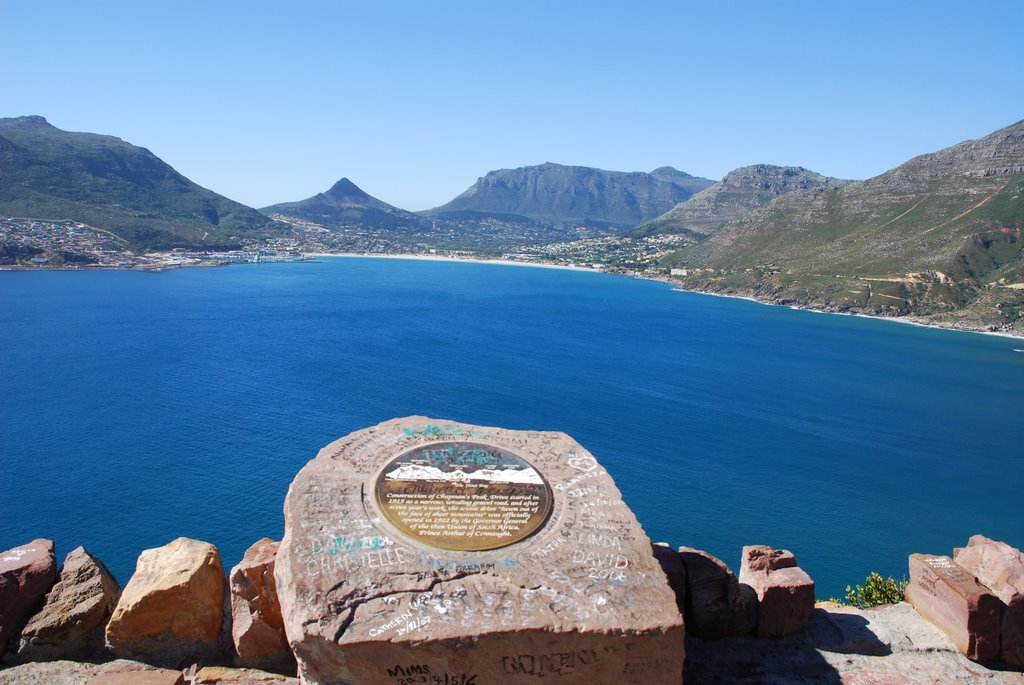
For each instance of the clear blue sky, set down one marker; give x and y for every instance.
(268, 102)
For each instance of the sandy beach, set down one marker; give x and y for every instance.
(444, 258)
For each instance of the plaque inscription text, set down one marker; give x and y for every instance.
(463, 496)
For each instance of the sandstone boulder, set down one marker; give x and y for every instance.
(765, 558)
(948, 596)
(717, 606)
(209, 675)
(785, 593)
(674, 570)
(71, 623)
(426, 551)
(26, 574)
(117, 672)
(171, 611)
(156, 676)
(1000, 568)
(257, 628)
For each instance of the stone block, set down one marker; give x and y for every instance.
(1000, 568)
(171, 611)
(26, 574)
(70, 624)
(256, 627)
(423, 550)
(717, 606)
(674, 570)
(948, 596)
(785, 593)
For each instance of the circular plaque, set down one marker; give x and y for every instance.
(463, 496)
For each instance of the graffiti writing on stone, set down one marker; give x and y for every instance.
(554, 663)
(423, 674)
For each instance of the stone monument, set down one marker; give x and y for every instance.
(427, 551)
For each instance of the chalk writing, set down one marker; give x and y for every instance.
(575, 480)
(549, 548)
(447, 430)
(336, 544)
(944, 566)
(582, 462)
(326, 565)
(600, 560)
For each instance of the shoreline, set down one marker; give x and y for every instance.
(893, 319)
(445, 258)
(675, 285)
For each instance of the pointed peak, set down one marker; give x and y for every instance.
(346, 188)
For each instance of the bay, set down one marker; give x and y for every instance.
(139, 407)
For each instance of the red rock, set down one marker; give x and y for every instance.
(765, 558)
(948, 596)
(158, 676)
(26, 574)
(171, 611)
(256, 627)
(785, 593)
(1000, 568)
(674, 570)
(70, 624)
(426, 551)
(209, 675)
(717, 606)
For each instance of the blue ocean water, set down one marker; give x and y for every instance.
(138, 407)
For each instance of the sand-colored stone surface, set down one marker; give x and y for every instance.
(580, 599)
(171, 611)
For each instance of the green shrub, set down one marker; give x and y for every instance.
(876, 591)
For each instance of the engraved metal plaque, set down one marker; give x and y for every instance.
(463, 496)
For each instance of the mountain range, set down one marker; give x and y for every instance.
(935, 237)
(938, 237)
(115, 186)
(739, 193)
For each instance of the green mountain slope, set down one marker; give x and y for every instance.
(107, 183)
(558, 194)
(938, 237)
(345, 204)
(740, 192)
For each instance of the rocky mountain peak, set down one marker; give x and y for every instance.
(32, 120)
(740, 192)
(1001, 152)
(575, 195)
(346, 189)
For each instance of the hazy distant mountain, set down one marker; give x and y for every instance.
(107, 183)
(574, 195)
(345, 204)
(939, 233)
(740, 192)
